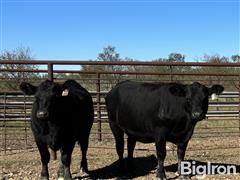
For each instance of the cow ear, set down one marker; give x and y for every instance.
(27, 88)
(216, 89)
(57, 89)
(195, 84)
(178, 90)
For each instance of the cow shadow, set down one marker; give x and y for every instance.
(143, 167)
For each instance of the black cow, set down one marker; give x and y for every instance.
(62, 115)
(157, 113)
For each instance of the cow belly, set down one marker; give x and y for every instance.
(54, 143)
(55, 147)
(140, 136)
(180, 138)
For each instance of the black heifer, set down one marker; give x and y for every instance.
(156, 113)
(61, 116)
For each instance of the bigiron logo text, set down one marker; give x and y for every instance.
(201, 170)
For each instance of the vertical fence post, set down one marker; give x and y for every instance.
(239, 104)
(171, 78)
(25, 120)
(50, 77)
(5, 125)
(98, 89)
(50, 71)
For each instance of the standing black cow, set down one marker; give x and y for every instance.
(62, 115)
(156, 113)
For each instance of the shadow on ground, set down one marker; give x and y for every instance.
(144, 166)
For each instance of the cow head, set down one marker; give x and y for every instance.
(197, 97)
(45, 94)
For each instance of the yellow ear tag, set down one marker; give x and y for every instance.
(65, 92)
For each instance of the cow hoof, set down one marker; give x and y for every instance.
(69, 178)
(182, 177)
(44, 178)
(60, 175)
(84, 171)
(161, 178)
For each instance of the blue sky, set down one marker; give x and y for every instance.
(139, 29)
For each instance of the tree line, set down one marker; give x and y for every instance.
(10, 80)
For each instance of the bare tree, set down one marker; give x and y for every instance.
(109, 54)
(13, 78)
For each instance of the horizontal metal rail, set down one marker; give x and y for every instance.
(121, 72)
(121, 63)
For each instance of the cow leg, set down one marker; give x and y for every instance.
(61, 171)
(131, 145)
(161, 154)
(45, 158)
(119, 140)
(66, 153)
(181, 149)
(84, 148)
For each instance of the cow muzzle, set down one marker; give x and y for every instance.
(42, 114)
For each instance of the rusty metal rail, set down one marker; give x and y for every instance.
(121, 63)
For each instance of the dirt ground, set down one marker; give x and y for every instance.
(102, 160)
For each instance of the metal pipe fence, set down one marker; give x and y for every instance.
(223, 118)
